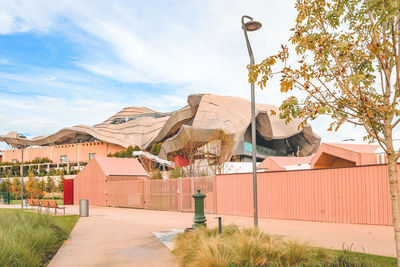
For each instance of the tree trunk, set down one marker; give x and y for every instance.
(394, 195)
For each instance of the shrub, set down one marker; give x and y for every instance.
(251, 247)
(178, 172)
(155, 149)
(29, 239)
(156, 174)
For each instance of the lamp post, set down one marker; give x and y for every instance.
(22, 169)
(252, 25)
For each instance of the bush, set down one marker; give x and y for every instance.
(156, 174)
(30, 239)
(155, 149)
(177, 172)
(251, 247)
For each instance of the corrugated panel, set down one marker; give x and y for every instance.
(343, 195)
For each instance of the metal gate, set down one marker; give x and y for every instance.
(5, 197)
(171, 194)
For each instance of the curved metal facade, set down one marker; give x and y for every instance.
(204, 113)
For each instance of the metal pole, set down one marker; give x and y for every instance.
(22, 177)
(254, 154)
(253, 127)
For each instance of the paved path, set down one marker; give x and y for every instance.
(123, 237)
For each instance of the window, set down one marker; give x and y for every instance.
(14, 161)
(92, 155)
(64, 158)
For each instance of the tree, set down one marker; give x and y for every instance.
(218, 151)
(60, 186)
(5, 186)
(31, 185)
(155, 149)
(50, 185)
(16, 187)
(348, 64)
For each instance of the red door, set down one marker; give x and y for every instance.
(69, 192)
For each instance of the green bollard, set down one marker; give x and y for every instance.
(199, 217)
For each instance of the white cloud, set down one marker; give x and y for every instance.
(196, 46)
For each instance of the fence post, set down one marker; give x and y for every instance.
(180, 194)
(215, 193)
(145, 193)
(192, 191)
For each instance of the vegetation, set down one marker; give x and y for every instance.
(177, 172)
(348, 68)
(14, 170)
(155, 149)
(206, 154)
(33, 188)
(251, 247)
(31, 239)
(125, 153)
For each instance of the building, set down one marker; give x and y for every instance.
(63, 153)
(328, 155)
(331, 155)
(94, 181)
(274, 163)
(195, 122)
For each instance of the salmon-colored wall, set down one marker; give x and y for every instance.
(54, 153)
(90, 184)
(270, 165)
(329, 156)
(343, 195)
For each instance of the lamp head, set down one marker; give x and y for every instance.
(252, 25)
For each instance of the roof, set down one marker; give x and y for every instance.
(285, 161)
(121, 166)
(344, 155)
(358, 148)
(152, 157)
(198, 120)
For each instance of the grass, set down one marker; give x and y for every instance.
(251, 247)
(31, 239)
(375, 260)
(18, 201)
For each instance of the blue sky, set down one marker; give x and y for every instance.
(65, 63)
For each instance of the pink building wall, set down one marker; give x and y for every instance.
(358, 195)
(54, 153)
(344, 155)
(90, 184)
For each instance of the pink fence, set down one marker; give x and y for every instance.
(341, 195)
(173, 194)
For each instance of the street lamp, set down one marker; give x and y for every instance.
(252, 25)
(22, 168)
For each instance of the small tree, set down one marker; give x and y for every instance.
(31, 186)
(50, 185)
(16, 187)
(219, 150)
(349, 67)
(6, 186)
(60, 186)
(3, 187)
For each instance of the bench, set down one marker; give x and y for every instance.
(46, 205)
(29, 203)
(36, 203)
(53, 204)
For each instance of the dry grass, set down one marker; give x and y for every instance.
(241, 247)
(251, 247)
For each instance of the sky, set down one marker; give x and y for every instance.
(72, 62)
